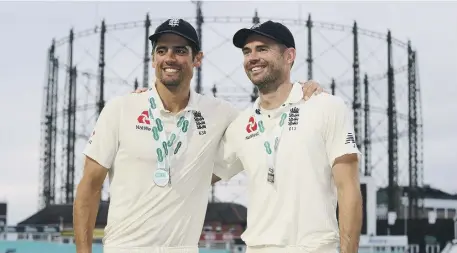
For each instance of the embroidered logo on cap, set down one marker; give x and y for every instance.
(173, 22)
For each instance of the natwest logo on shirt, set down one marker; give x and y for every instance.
(143, 121)
(251, 127)
(144, 118)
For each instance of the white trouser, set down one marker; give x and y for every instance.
(291, 249)
(107, 249)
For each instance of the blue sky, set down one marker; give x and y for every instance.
(28, 28)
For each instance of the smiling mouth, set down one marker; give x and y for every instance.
(170, 70)
(257, 69)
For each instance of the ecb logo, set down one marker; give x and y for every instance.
(294, 116)
(200, 122)
(173, 22)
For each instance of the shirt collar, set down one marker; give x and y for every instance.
(192, 104)
(295, 95)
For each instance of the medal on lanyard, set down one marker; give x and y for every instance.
(166, 148)
(271, 141)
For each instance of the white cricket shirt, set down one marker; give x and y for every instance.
(142, 216)
(299, 210)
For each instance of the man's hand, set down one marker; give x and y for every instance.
(140, 90)
(309, 88)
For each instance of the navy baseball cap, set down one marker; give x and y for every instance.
(179, 27)
(273, 30)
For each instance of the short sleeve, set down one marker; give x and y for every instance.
(104, 142)
(227, 164)
(339, 135)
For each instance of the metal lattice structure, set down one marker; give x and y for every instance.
(61, 165)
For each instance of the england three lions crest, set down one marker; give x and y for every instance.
(200, 122)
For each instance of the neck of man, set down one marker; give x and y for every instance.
(174, 99)
(275, 98)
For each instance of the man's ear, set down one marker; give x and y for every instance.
(198, 59)
(291, 54)
(153, 62)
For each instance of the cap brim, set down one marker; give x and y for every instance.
(240, 37)
(153, 38)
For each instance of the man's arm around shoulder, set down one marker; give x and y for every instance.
(86, 204)
(227, 163)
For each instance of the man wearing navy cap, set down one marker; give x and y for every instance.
(159, 149)
(300, 157)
